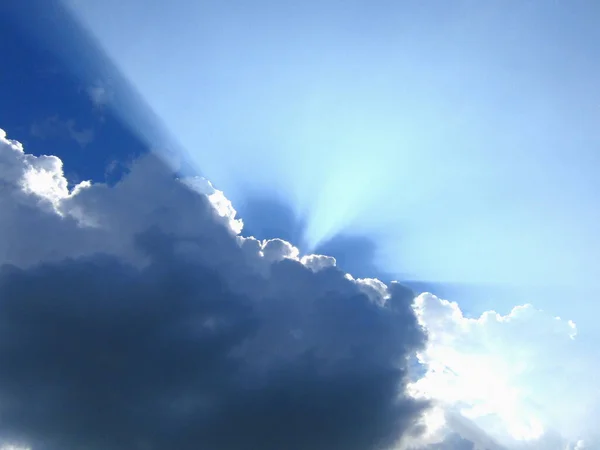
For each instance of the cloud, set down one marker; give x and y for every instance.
(135, 316)
(99, 95)
(526, 378)
(54, 127)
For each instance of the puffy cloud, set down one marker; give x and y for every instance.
(135, 316)
(219, 202)
(32, 189)
(525, 378)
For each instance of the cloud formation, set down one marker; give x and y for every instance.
(135, 316)
(98, 94)
(526, 378)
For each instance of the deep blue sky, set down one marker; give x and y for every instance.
(44, 105)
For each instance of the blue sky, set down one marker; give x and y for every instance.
(454, 144)
(462, 136)
(42, 96)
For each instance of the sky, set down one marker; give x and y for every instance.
(448, 145)
(459, 136)
(397, 113)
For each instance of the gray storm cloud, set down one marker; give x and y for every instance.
(135, 317)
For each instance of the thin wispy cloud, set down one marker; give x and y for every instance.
(56, 128)
(99, 94)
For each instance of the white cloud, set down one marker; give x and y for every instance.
(220, 203)
(31, 195)
(37, 175)
(318, 262)
(525, 378)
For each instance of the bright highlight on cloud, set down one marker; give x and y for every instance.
(521, 377)
(137, 316)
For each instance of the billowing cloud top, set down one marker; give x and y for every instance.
(136, 316)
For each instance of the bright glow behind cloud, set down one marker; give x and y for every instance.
(518, 376)
(432, 126)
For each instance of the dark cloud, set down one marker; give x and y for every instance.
(96, 353)
(167, 331)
